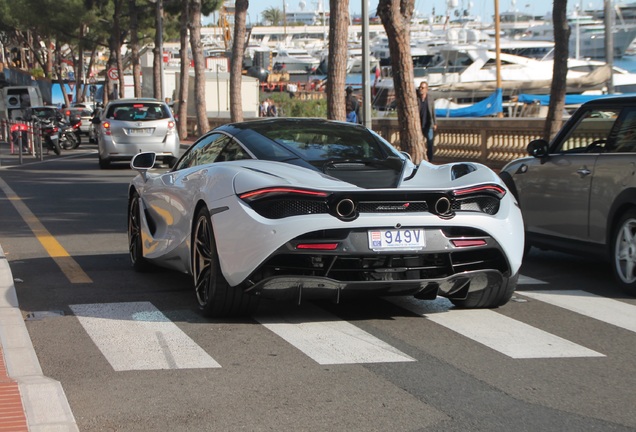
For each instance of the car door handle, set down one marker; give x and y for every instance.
(583, 172)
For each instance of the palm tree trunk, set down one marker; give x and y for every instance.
(337, 59)
(199, 67)
(238, 51)
(396, 18)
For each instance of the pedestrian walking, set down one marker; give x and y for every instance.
(352, 106)
(272, 111)
(427, 118)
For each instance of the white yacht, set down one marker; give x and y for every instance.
(587, 36)
(294, 61)
(468, 73)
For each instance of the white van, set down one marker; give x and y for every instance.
(14, 100)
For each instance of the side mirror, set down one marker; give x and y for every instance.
(142, 162)
(538, 148)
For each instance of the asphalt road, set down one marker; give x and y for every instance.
(132, 353)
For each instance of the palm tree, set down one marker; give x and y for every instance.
(560, 69)
(199, 67)
(238, 50)
(337, 60)
(396, 17)
(272, 15)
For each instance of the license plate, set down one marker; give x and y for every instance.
(54, 137)
(143, 131)
(397, 239)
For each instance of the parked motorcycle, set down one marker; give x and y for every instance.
(68, 135)
(50, 135)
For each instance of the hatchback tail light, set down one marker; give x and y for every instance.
(106, 126)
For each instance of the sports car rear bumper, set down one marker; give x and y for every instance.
(456, 286)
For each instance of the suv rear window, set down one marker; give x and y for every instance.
(138, 111)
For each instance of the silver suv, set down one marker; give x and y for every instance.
(578, 193)
(126, 127)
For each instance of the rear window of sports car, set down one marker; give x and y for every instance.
(325, 142)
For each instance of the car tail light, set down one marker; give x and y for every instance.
(77, 125)
(106, 126)
(278, 191)
(170, 124)
(481, 198)
(282, 202)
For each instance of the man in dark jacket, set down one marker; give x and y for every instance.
(427, 117)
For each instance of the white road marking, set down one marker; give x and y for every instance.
(527, 280)
(604, 309)
(327, 339)
(137, 336)
(499, 332)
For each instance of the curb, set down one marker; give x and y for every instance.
(43, 399)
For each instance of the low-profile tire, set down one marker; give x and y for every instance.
(491, 297)
(215, 296)
(135, 245)
(623, 252)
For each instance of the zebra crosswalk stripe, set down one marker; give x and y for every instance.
(499, 332)
(137, 336)
(591, 305)
(328, 340)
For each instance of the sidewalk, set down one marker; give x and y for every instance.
(29, 401)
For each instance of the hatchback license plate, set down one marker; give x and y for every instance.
(143, 131)
(397, 239)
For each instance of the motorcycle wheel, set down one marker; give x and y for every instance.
(74, 140)
(56, 148)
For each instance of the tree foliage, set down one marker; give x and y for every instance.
(272, 16)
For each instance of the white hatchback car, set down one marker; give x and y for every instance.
(126, 127)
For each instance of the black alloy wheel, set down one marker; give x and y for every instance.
(215, 296)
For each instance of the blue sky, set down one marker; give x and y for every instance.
(481, 8)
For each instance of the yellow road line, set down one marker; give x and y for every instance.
(62, 258)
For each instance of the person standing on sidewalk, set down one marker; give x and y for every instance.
(428, 118)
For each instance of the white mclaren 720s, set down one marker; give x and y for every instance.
(296, 208)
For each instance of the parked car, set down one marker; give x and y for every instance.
(309, 208)
(578, 193)
(45, 112)
(129, 126)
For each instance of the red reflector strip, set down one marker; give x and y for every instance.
(469, 242)
(317, 246)
(281, 190)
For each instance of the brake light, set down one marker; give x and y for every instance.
(77, 125)
(106, 126)
(170, 124)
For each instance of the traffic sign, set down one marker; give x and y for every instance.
(113, 74)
